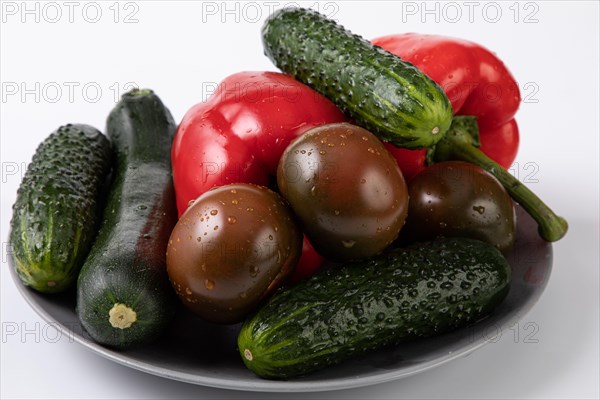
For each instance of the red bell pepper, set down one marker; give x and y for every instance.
(240, 133)
(476, 82)
(485, 98)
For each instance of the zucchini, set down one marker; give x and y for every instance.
(390, 97)
(409, 293)
(124, 297)
(56, 214)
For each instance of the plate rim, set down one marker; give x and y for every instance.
(264, 385)
(261, 385)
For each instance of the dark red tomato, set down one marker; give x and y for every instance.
(457, 198)
(231, 249)
(346, 189)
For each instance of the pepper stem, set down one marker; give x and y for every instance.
(460, 144)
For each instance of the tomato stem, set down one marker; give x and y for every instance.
(460, 143)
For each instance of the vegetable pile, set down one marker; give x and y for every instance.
(380, 157)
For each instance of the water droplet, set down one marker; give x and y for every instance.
(216, 228)
(214, 212)
(191, 203)
(348, 243)
(254, 270)
(199, 238)
(363, 181)
(380, 316)
(231, 219)
(270, 237)
(234, 202)
(142, 207)
(210, 285)
(233, 191)
(479, 209)
(357, 310)
(188, 291)
(322, 152)
(434, 296)
(443, 225)
(313, 191)
(446, 285)
(336, 212)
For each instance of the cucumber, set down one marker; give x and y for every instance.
(390, 97)
(344, 312)
(124, 297)
(56, 214)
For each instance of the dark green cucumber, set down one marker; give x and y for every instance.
(340, 313)
(56, 214)
(124, 297)
(390, 97)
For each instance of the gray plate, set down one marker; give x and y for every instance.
(205, 354)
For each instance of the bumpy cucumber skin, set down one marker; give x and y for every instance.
(420, 291)
(56, 214)
(127, 264)
(384, 94)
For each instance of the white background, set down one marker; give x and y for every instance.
(179, 49)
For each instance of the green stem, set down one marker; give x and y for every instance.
(460, 144)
